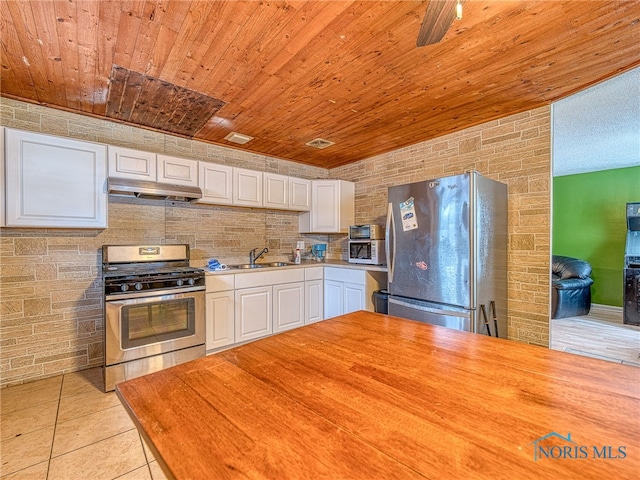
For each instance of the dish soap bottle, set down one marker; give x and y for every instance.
(296, 257)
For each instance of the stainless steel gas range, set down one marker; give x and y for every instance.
(154, 305)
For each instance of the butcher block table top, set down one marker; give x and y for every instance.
(370, 396)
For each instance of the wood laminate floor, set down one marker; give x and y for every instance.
(598, 335)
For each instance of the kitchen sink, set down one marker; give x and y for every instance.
(260, 265)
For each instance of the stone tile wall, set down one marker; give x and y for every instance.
(514, 150)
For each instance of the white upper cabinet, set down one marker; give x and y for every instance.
(286, 193)
(177, 171)
(247, 187)
(332, 207)
(134, 164)
(299, 194)
(54, 182)
(216, 182)
(276, 191)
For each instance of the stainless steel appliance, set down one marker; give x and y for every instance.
(154, 309)
(366, 232)
(152, 190)
(366, 244)
(631, 306)
(446, 243)
(370, 252)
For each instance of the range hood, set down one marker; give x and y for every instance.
(152, 190)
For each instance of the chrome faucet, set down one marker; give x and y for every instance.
(253, 257)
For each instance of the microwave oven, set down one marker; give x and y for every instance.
(366, 232)
(370, 252)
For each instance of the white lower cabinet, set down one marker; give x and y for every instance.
(220, 311)
(333, 298)
(288, 306)
(313, 301)
(253, 310)
(246, 306)
(355, 297)
(348, 290)
(220, 319)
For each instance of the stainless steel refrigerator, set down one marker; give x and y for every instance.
(446, 244)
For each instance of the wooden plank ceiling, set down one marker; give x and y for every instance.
(288, 72)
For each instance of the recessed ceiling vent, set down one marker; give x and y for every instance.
(238, 138)
(320, 143)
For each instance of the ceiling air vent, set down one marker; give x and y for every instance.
(238, 138)
(320, 143)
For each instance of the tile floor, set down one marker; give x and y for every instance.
(67, 428)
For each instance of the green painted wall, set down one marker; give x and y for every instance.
(589, 222)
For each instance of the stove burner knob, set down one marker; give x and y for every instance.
(138, 286)
(179, 282)
(191, 281)
(124, 287)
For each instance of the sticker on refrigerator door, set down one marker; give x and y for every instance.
(408, 214)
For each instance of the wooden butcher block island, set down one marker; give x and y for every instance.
(370, 396)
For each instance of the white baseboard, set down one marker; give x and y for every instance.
(608, 313)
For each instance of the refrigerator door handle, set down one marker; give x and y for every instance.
(424, 308)
(390, 253)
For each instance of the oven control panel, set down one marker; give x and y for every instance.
(117, 284)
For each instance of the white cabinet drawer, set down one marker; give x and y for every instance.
(272, 277)
(345, 275)
(313, 273)
(219, 283)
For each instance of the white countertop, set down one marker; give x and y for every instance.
(304, 264)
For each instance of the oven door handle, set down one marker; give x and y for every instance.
(153, 293)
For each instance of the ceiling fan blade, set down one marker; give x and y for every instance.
(439, 17)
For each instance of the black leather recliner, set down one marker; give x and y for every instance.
(571, 292)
